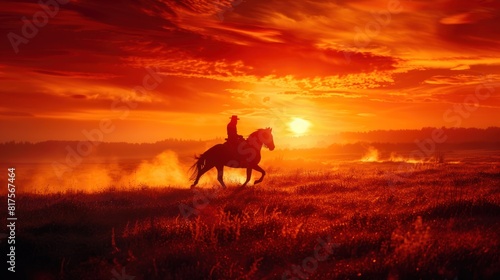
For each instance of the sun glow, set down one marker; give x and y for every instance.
(299, 126)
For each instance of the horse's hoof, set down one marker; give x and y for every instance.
(256, 182)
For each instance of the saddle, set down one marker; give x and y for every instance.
(240, 138)
(233, 145)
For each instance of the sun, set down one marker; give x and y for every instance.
(299, 126)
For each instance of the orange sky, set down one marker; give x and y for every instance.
(341, 65)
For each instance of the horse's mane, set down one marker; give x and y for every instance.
(255, 133)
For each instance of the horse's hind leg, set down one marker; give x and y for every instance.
(220, 175)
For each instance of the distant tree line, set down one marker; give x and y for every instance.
(454, 135)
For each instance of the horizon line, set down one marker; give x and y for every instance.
(222, 137)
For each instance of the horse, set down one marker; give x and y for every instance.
(245, 154)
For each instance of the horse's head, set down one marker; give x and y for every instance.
(266, 136)
(262, 136)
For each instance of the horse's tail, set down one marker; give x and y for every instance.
(197, 166)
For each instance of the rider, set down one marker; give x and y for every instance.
(233, 138)
(232, 133)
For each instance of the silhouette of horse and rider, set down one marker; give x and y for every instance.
(236, 152)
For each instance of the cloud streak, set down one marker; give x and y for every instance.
(303, 52)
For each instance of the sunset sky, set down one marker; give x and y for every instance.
(339, 65)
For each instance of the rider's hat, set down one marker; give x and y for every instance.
(234, 117)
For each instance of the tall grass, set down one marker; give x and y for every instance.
(439, 222)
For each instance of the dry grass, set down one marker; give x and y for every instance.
(438, 222)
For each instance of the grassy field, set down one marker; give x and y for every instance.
(357, 221)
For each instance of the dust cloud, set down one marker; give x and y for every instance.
(164, 170)
(374, 155)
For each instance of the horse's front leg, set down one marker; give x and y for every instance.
(258, 168)
(220, 175)
(249, 174)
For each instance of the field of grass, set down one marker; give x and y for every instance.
(358, 221)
